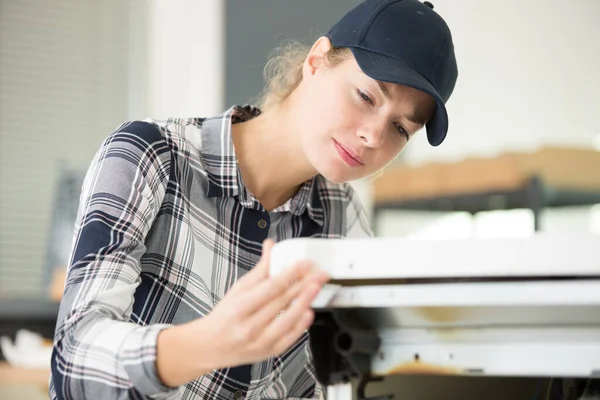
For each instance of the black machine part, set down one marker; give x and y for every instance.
(342, 346)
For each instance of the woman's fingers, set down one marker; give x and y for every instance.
(292, 336)
(268, 312)
(287, 322)
(265, 291)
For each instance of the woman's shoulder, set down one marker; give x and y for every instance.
(180, 132)
(173, 135)
(141, 130)
(158, 141)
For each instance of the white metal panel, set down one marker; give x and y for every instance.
(386, 258)
(574, 292)
(572, 351)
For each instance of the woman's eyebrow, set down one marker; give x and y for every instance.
(384, 90)
(415, 117)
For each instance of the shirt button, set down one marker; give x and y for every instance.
(237, 395)
(262, 224)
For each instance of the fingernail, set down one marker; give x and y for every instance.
(308, 316)
(315, 288)
(321, 276)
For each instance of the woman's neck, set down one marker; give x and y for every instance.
(270, 156)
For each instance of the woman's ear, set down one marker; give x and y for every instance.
(316, 56)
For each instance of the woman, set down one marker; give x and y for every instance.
(168, 293)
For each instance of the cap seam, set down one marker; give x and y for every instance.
(376, 15)
(397, 59)
(442, 41)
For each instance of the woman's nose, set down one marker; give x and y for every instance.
(372, 135)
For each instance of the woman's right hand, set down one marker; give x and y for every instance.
(259, 317)
(262, 315)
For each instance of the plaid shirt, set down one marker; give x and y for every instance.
(165, 227)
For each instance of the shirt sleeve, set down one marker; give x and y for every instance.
(97, 352)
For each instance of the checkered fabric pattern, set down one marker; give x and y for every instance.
(165, 227)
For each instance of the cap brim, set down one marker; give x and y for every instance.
(387, 69)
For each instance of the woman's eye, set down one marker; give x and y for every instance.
(364, 97)
(403, 132)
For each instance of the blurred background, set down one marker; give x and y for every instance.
(522, 153)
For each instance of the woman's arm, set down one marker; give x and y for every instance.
(97, 352)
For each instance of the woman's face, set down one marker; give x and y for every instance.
(353, 125)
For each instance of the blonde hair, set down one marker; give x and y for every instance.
(283, 71)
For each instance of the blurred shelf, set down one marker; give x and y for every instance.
(533, 195)
(34, 314)
(550, 177)
(23, 376)
(28, 309)
(524, 196)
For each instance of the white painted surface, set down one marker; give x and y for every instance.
(185, 53)
(487, 354)
(468, 294)
(371, 258)
(343, 391)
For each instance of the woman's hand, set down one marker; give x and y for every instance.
(261, 316)
(245, 326)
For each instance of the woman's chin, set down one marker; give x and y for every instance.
(334, 169)
(337, 173)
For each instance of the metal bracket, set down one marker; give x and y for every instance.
(360, 391)
(342, 348)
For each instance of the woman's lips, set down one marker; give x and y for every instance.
(349, 156)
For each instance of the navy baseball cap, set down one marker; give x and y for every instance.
(404, 42)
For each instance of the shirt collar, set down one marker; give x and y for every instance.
(224, 180)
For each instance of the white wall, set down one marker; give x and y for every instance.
(528, 75)
(177, 67)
